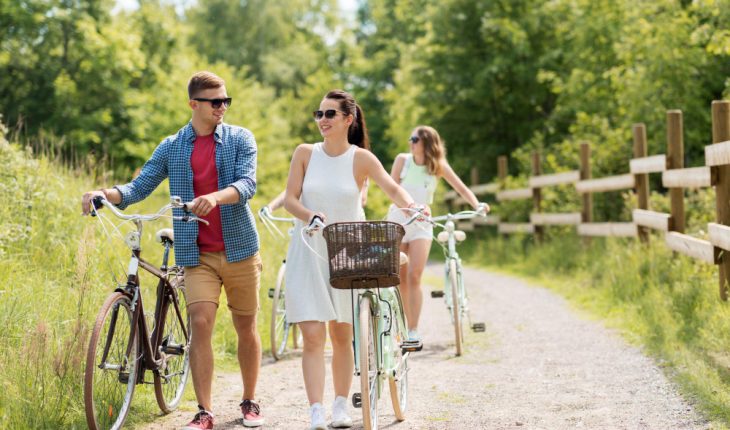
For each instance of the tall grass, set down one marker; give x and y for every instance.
(56, 268)
(667, 303)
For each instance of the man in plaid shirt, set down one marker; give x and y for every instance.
(213, 166)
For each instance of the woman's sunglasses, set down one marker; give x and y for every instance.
(414, 139)
(216, 103)
(329, 114)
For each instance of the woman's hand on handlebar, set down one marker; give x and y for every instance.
(482, 208)
(316, 222)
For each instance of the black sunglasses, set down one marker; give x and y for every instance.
(329, 114)
(414, 139)
(216, 103)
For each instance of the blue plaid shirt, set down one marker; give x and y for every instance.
(235, 159)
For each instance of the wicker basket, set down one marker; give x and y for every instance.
(364, 254)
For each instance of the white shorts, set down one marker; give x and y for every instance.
(415, 231)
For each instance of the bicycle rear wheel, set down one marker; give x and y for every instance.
(171, 378)
(279, 327)
(111, 373)
(456, 306)
(398, 381)
(368, 366)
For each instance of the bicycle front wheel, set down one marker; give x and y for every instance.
(456, 305)
(398, 381)
(279, 332)
(111, 372)
(172, 376)
(368, 366)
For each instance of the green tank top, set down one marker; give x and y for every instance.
(417, 181)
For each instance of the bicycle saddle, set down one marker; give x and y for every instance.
(165, 234)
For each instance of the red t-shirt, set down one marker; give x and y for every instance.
(205, 181)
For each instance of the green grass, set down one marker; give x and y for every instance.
(57, 268)
(667, 303)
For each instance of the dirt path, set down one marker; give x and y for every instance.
(537, 366)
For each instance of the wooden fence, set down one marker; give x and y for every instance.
(675, 177)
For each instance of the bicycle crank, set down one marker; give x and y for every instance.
(478, 327)
(357, 400)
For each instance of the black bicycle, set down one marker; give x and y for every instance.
(123, 346)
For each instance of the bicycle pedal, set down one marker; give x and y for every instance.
(478, 327)
(437, 293)
(411, 346)
(357, 400)
(271, 293)
(123, 377)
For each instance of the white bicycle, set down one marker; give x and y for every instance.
(279, 327)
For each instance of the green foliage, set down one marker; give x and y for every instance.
(57, 269)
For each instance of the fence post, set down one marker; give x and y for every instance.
(537, 194)
(642, 179)
(585, 173)
(502, 170)
(675, 160)
(721, 133)
(474, 176)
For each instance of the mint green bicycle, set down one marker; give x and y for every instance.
(364, 257)
(454, 292)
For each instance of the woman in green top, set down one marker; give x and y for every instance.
(417, 172)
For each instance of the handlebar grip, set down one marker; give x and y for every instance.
(96, 202)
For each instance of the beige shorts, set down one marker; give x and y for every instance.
(240, 279)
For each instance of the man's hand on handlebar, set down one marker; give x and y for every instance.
(201, 206)
(87, 198)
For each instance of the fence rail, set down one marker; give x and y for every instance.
(675, 178)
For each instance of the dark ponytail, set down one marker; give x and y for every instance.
(357, 134)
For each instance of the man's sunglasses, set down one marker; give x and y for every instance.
(414, 139)
(215, 103)
(329, 114)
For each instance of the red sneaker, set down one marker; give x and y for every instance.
(203, 420)
(251, 414)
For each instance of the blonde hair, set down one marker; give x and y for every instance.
(433, 148)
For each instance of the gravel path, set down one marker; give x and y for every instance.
(537, 366)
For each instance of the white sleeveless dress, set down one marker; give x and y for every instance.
(329, 187)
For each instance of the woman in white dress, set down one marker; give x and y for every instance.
(325, 180)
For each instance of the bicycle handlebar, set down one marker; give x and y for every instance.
(265, 213)
(314, 225)
(468, 214)
(175, 202)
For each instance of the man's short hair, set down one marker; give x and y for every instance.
(203, 81)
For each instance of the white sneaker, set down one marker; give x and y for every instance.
(413, 336)
(317, 416)
(340, 418)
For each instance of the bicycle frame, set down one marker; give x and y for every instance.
(382, 300)
(449, 255)
(153, 354)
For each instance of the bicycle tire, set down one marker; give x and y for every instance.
(398, 382)
(368, 366)
(170, 380)
(456, 306)
(108, 391)
(279, 327)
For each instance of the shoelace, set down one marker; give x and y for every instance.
(201, 417)
(250, 406)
